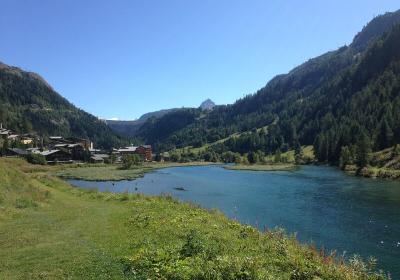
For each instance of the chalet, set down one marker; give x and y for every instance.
(165, 156)
(13, 137)
(59, 156)
(26, 140)
(56, 138)
(4, 133)
(95, 151)
(16, 152)
(69, 147)
(59, 141)
(33, 150)
(127, 150)
(85, 143)
(99, 158)
(145, 152)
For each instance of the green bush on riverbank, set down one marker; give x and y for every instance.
(50, 230)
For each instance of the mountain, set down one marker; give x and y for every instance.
(29, 104)
(328, 102)
(374, 29)
(157, 114)
(207, 105)
(132, 128)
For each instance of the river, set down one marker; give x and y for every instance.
(321, 204)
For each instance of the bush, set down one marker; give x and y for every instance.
(130, 160)
(36, 159)
(194, 244)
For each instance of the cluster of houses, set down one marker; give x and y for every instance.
(66, 150)
(25, 139)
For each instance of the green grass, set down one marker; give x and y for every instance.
(206, 146)
(62, 232)
(103, 173)
(262, 167)
(114, 172)
(383, 164)
(308, 153)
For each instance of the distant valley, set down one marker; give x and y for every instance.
(130, 128)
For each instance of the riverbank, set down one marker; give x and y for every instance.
(263, 167)
(51, 230)
(384, 164)
(373, 172)
(115, 173)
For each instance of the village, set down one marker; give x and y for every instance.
(64, 150)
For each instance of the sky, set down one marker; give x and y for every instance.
(123, 58)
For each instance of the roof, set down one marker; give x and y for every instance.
(74, 145)
(33, 150)
(128, 149)
(99, 156)
(49, 152)
(146, 146)
(18, 151)
(102, 155)
(55, 137)
(65, 145)
(5, 132)
(60, 145)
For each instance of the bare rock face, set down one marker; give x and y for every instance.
(207, 105)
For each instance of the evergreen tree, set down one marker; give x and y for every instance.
(298, 154)
(277, 157)
(385, 136)
(252, 157)
(345, 157)
(363, 150)
(396, 150)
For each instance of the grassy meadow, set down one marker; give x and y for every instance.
(114, 172)
(263, 167)
(51, 230)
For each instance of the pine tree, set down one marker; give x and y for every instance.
(385, 137)
(345, 157)
(363, 151)
(277, 157)
(252, 157)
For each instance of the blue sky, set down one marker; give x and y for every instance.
(125, 58)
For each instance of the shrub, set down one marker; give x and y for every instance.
(130, 160)
(194, 244)
(36, 159)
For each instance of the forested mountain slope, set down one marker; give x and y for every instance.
(130, 128)
(29, 104)
(310, 103)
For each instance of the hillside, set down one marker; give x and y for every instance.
(29, 104)
(328, 102)
(130, 128)
(121, 236)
